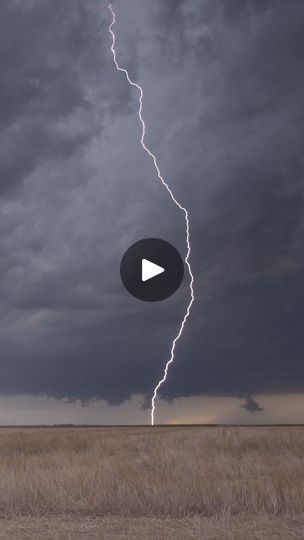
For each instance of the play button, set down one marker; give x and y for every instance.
(152, 269)
(149, 270)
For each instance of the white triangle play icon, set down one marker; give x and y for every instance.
(149, 270)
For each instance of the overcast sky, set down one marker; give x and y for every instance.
(223, 88)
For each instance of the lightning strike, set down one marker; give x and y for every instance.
(180, 206)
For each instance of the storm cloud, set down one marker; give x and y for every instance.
(223, 84)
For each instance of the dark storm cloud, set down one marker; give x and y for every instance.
(252, 405)
(71, 167)
(242, 143)
(224, 102)
(52, 54)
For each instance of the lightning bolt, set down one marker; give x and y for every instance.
(180, 206)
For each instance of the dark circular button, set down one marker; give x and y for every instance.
(152, 269)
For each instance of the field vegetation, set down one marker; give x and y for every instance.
(154, 483)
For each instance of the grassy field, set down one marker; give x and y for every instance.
(152, 483)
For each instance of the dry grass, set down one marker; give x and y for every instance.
(152, 483)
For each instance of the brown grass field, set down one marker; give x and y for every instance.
(171, 483)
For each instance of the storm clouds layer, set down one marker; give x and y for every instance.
(224, 107)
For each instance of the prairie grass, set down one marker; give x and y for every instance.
(161, 473)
